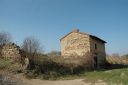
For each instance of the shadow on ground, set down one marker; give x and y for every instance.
(112, 67)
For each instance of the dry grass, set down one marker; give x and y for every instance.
(117, 60)
(7, 78)
(10, 66)
(57, 66)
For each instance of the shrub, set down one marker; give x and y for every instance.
(16, 67)
(3, 64)
(10, 66)
(70, 65)
(54, 66)
(50, 76)
(31, 74)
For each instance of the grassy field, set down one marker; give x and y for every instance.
(115, 76)
(111, 77)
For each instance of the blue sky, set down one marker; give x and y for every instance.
(49, 20)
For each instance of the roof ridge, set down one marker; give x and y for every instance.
(77, 31)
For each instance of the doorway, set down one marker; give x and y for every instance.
(95, 61)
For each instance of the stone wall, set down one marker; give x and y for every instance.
(98, 51)
(78, 44)
(75, 44)
(11, 51)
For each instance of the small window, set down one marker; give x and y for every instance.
(95, 46)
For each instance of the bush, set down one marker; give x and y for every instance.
(4, 64)
(54, 66)
(30, 74)
(16, 67)
(10, 66)
(51, 75)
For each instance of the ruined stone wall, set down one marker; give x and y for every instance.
(98, 51)
(11, 51)
(75, 44)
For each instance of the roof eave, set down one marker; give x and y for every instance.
(85, 34)
(98, 38)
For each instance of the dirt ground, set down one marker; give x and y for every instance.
(21, 78)
(60, 82)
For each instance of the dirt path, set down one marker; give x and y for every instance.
(21, 78)
(60, 82)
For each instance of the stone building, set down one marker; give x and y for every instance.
(81, 44)
(11, 51)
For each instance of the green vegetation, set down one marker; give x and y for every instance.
(10, 66)
(50, 68)
(53, 67)
(116, 76)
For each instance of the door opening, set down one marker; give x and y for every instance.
(95, 62)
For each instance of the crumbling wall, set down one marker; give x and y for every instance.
(11, 51)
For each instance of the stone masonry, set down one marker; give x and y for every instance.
(78, 43)
(11, 51)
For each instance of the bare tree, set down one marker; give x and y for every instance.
(31, 47)
(5, 38)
